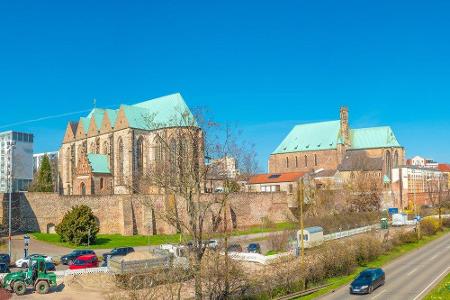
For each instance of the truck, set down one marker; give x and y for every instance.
(139, 272)
(399, 219)
(35, 276)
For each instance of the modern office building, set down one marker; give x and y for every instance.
(16, 158)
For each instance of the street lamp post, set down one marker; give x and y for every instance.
(10, 187)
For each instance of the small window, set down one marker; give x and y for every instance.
(291, 188)
(296, 162)
(306, 161)
(315, 159)
(101, 183)
(305, 237)
(287, 162)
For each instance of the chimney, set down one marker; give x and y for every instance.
(345, 134)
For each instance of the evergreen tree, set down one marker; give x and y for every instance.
(44, 180)
(78, 226)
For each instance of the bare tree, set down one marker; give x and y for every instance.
(363, 191)
(180, 172)
(438, 193)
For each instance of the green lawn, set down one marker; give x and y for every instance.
(260, 229)
(337, 282)
(106, 241)
(441, 291)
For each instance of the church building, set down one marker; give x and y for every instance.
(107, 151)
(325, 145)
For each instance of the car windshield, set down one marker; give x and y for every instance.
(365, 275)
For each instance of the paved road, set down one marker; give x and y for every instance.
(409, 277)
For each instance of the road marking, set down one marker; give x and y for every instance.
(378, 294)
(434, 256)
(411, 272)
(433, 282)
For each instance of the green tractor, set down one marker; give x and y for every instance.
(35, 276)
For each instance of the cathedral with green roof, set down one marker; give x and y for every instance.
(326, 145)
(106, 151)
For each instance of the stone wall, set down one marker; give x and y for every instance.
(131, 214)
(303, 161)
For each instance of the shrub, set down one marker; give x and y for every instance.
(446, 222)
(429, 226)
(78, 226)
(408, 237)
(367, 248)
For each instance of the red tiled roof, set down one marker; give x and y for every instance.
(275, 177)
(444, 167)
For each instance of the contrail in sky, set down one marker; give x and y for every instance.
(45, 118)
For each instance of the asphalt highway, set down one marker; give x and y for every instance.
(409, 277)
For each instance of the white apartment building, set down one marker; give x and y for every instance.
(16, 158)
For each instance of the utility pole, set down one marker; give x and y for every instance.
(300, 199)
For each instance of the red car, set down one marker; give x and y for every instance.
(84, 262)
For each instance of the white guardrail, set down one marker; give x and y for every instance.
(60, 274)
(256, 257)
(346, 233)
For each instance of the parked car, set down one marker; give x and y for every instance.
(367, 281)
(84, 262)
(4, 258)
(254, 248)
(24, 262)
(66, 259)
(122, 251)
(212, 244)
(234, 248)
(4, 268)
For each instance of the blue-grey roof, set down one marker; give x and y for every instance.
(314, 229)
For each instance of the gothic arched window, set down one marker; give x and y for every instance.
(388, 164)
(97, 145)
(140, 155)
(120, 160)
(396, 159)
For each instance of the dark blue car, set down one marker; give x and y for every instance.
(367, 281)
(254, 248)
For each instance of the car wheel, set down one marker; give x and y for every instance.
(19, 288)
(370, 289)
(42, 287)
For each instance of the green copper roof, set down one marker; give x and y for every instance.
(98, 115)
(312, 136)
(373, 137)
(162, 112)
(167, 111)
(99, 163)
(326, 135)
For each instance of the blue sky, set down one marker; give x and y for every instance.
(264, 65)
